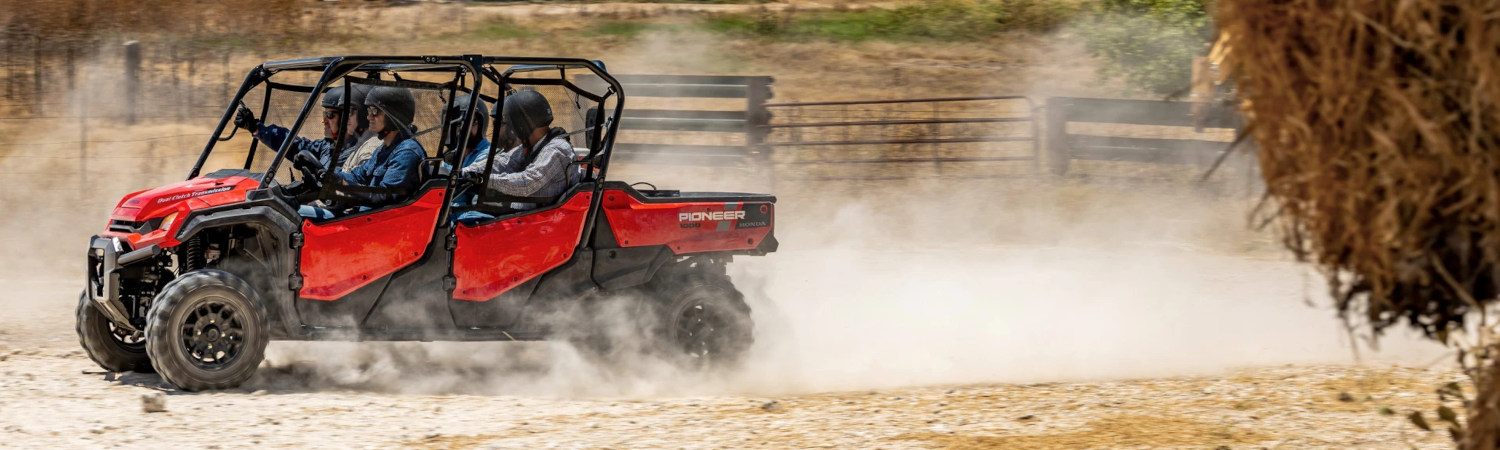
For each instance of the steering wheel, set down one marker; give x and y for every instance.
(312, 170)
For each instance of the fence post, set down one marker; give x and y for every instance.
(1058, 154)
(176, 81)
(933, 131)
(10, 69)
(1036, 136)
(757, 92)
(1202, 91)
(132, 79)
(38, 65)
(192, 72)
(83, 139)
(226, 77)
(71, 59)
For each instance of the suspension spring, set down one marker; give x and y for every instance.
(192, 254)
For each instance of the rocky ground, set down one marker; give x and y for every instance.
(533, 396)
(52, 398)
(1058, 314)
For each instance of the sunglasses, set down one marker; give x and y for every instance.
(330, 114)
(373, 111)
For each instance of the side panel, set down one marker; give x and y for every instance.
(344, 254)
(688, 227)
(414, 298)
(495, 257)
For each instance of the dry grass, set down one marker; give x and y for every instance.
(1378, 127)
(445, 441)
(1378, 124)
(1110, 432)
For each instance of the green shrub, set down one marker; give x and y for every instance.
(501, 28)
(943, 20)
(622, 28)
(1150, 43)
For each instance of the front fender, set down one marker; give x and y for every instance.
(264, 215)
(276, 227)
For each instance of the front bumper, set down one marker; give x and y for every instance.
(106, 256)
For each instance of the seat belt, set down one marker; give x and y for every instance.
(554, 133)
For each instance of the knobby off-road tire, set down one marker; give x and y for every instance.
(700, 320)
(206, 330)
(114, 349)
(664, 319)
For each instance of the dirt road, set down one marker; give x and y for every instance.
(980, 359)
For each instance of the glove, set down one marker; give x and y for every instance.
(244, 119)
(451, 157)
(474, 178)
(306, 160)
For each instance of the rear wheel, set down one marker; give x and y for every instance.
(696, 320)
(703, 322)
(206, 330)
(114, 348)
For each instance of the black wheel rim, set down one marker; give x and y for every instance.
(703, 331)
(132, 340)
(212, 335)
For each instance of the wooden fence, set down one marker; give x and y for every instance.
(1064, 146)
(744, 124)
(988, 135)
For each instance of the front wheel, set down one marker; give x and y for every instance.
(114, 348)
(206, 330)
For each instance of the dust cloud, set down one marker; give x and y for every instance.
(876, 284)
(926, 283)
(1043, 283)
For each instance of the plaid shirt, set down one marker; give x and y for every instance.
(551, 174)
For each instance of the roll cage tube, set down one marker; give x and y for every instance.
(347, 80)
(334, 68)
(338, 67)
(505, 80)
(265, 105)
(600, 158)
(536, 64)
(253, 79)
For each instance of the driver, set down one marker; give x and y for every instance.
(395, 165)
(542, 166)
(333, 127)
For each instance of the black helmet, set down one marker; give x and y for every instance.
(334, 98)
(456, 114)
(525, 111)
(506, 136)
(398, 104)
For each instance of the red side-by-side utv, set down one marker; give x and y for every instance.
(192, 279)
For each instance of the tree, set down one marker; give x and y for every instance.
(1150, 43)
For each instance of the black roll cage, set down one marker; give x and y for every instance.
(335, 68)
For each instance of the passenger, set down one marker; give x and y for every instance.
(363, 153)
(542, 166)
(333, 128)
(478, 161)
(507, 139)
(395, 165)
(368, 142)
(479, 147)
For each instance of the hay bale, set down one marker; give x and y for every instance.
(1378, 124)
(1379, 127)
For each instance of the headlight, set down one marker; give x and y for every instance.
(166, 223)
